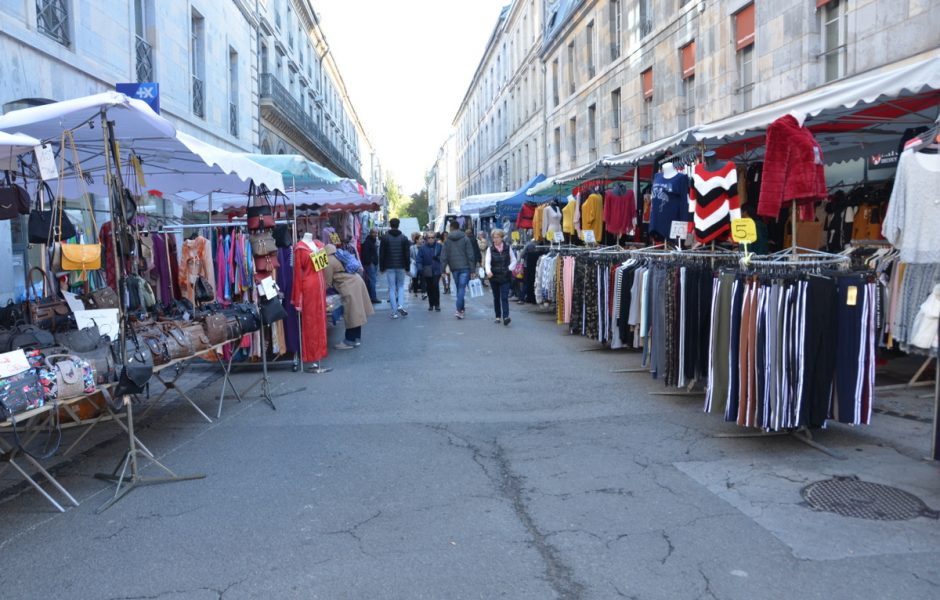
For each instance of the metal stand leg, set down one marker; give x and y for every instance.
(265, 389)
(130, 476)
(171, 385)
(914, 381)
(801, 435)
(227, 381)
(10, 460)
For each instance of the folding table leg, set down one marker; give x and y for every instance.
(227, 381)
(33, 483)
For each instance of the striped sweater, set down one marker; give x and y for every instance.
(713, 201)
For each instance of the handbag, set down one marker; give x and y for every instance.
(178, 342)
(79, 340)
(260, 216)
(196, 334)
(13, 314)
(216, 329)
(204, 292)
(25, 336)
(272, 310)
(75, 257)
(47, 312)
(80, 257)
(20, 392)
(14, 200)
(282, 236)
(74, 376)
(156, 341)
(267, 263)
(262, 243)
(248, 318)
(39, 227)
(104, 297)
(136, 370)
(102, 361)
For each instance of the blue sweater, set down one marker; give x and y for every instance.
(430, 255)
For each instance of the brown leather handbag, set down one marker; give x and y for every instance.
(196, 334)
(177, 341)
(262, 243)
(47, 311)
(216, 328)
(153, 336)
(267, 263)
(104, 297)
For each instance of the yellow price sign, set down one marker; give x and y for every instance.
(551, 236)
(320, 260)
(743, 231)
(334, 239)
(515, 236)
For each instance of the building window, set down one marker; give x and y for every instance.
(834, 26)
(52, 19)
(590, 49)
(645, 22)
(535, 95)
(646, 79)
(264, 59)
(646, 121)
(197, 57)
(592, 132)
(744, 43)
(558, 149)
(555, 82)
(571, 82)
(573, 140)
(144, 30)
(615, 119)
(687, 86)
(233, 92)
(616, 28)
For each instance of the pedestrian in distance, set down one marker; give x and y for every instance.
(459, 257)
(445, 275)
(356, 304)
(370, 262)
(417, 282)
(394, 262)
(499, 262)
(483, 244)
(429, 267)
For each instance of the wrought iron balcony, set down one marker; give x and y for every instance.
(144, 60)
(233, 119)
(288, 108)
(199, 97)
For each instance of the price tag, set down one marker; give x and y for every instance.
(334, 239)
(851, 296)
(588, 236)
(679, 230)
(45, 157)
(515, 236)
(743, 231)
(320, 260)
(13, 363)
(551, 236)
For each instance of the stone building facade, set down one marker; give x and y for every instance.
(441, 182)
(616, 74)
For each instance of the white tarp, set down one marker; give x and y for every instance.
(631, 157)
(11, 146)
(909, 76)
(171, 161)
(476, 203)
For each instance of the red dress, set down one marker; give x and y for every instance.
(309, 297)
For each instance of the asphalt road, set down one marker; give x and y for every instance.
(448, 459)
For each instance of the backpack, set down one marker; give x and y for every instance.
(349, 260)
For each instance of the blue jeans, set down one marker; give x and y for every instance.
(372, 271)
(461, 279)
(396, 288)
(500, 298)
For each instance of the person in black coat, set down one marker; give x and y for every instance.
(395, 262)
(370, 261)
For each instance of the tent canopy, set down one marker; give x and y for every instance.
(171, 161)
(511, 206)
(11, 146)
(298, 172)
(478, 202)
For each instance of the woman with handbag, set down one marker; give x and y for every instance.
(429, 268)
(357, 306)
(499, 263)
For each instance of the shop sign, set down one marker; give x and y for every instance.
(147, 91)
(885, 160)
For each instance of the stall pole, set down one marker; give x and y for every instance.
(935, 451)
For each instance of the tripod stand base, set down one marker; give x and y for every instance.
(125, 483)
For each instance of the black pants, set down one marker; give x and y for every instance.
(353, 333)
(500, 298)
(433, 287)
(417, 285)
(821, 349)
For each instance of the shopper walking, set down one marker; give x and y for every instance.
(417, 282)
(429, 268)
(499, 263)
(370, 261)
(394, 262)
(356, 305)
(445, 275)
(458, 256)
(483, 244)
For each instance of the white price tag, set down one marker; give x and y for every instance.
(588, 236)
(74, 303)
(45, 158)
(13, 363)
(679, 230)
(269, 288)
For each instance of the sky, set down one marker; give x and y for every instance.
(407, 65)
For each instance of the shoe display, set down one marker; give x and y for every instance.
(344, 346)
(507, 321)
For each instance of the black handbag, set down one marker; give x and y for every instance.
(13, 314)
(25, 336)
(204, 292)
(136, 370)
(43, 225)
(282, 236)
(272, 311)
(259, 213)
(248, 317)
(79, 340)
(14, 200)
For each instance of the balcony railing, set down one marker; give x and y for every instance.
(290, 108)
(199, 97)
(144, 60)
(233, 119)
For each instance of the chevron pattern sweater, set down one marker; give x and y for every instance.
(713, 201)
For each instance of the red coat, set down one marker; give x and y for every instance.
(309, 297)
(793, 168)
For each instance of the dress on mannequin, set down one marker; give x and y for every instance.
(669, 200)
(309, 296)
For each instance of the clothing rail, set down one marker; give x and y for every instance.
(178, 228)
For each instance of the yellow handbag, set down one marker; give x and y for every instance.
(80, 257)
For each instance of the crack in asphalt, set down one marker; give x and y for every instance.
(353, 531)
(670, 548)
(219, 592)
(708, 585)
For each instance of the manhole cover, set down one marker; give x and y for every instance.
(851, 497)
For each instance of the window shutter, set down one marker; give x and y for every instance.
(744, 26)
(688, 60)
(647, 76)
(821, 3)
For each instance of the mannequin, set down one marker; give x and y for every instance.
(309, 298)
(669, 170)
(669, 200)
(712, 163)
(551, 219)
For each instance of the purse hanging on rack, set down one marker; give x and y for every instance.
(282, 236)
(14, 200)
(204, 292)
(47, 311)
(77, 257)
(41, 223)
(259, 212)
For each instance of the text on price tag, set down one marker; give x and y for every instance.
(679, 230)
(743, 231)
(320, 260)
(588, 236)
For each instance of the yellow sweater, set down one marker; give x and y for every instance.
(537, 223)
(592, 215)
(570, 216)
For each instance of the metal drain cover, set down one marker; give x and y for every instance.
(851, 497)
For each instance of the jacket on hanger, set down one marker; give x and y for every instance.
(793, 168)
